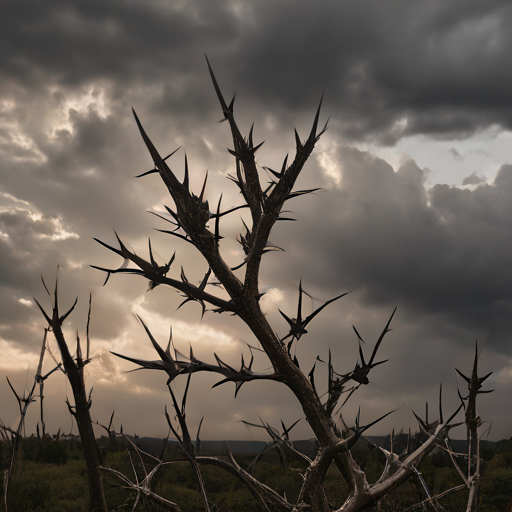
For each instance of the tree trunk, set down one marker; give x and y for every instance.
(82, 415)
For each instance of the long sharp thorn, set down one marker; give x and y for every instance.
(253, 150)
(481, 379)
(297, 141)
(283, 168)
(311, 376)
(204, 282)
(238, 386)
(381, 337)
(185, 179)
(46, 288)
(204, 187)
(13, 390)
(116, 270)
(151, 148)
(234, 153)
(358, 335)
(156, 346)
(276, 174)
(62, 318)
(198, 441)
(363, 364)
(78, 348)
(234, 209)
(299, 308)
(111, 418)
(48, 319)
(170, 154)
(173, 214)
(422, 424)
(376, 421)
(184, 401)
(41, 357)
(223, 381)
(239, 266)
(250, 136)
(463, 376)
(217, 221)
(461, 398)
(290, 322)
(324, 129)
(183, 237)
(216, 87)
(222, 364)
(241, 180)
(121, 245)
(169, 343)
(324, 305)
(152, 171)
(301, 193)
(312, 136)
(288, 430)
(113, 249)
(454, 414)
(380, 362)
(271, 184)
(153, 262)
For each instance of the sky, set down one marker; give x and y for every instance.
(414, 210)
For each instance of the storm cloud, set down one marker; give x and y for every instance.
(389, 72)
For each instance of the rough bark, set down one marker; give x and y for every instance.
(75, 374)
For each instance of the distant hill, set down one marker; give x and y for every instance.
(308, 447)
(153, 446)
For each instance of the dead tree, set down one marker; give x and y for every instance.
(74, 370)
(23, 404)
(191, 218)
(473, 422)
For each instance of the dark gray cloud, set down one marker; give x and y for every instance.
(442, 251)
(69, 74)
(387, 70)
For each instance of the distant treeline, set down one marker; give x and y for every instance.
(51, 476)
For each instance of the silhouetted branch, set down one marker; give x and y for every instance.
(182, 365)
(80, 411)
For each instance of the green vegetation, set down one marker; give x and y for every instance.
(52, 476)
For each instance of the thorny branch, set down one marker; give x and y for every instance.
(23, 404)
(190, 217)
(74, 370)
